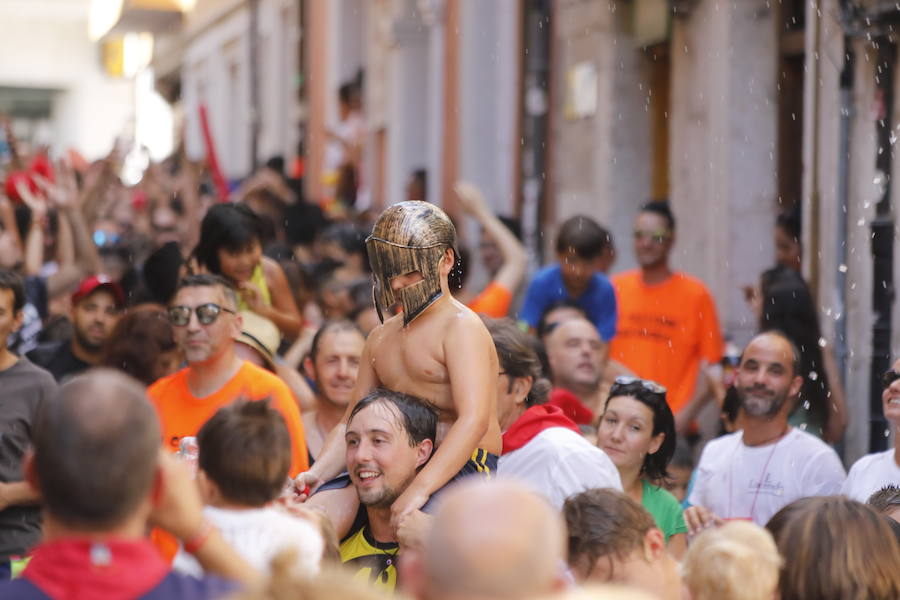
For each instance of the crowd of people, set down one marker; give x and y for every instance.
(264, 397)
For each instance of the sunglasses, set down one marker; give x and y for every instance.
(889, 377)
(207, 314)
(647, 384)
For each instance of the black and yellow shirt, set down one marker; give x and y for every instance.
(374, 562)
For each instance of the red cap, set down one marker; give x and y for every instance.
(90, 285)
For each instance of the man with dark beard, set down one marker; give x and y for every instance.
(753, 473)
(389, 437)
(96, 306)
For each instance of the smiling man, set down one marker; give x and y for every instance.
(333, 364)
(751, 474)
(389, 437)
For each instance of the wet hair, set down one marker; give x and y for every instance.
(417, 417)
(232, 227)
(10, 280)
(584, 236)
(835, 548)
(205, 280)
(331, 326)
(458, 275)
(543, 328)
(886, 499)
(137, 341)
(518, 358)
(245, 449)
(96, 447)
(654, 467)
(661, 208)
(604, 523)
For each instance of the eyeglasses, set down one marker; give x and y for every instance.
(207, 314)
(889, 377)
(657, 237)
(647, 384)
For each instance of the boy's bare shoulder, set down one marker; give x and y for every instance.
(462, 319)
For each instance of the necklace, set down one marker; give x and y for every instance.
(762, 476)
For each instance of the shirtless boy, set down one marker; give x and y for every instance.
(436, 349)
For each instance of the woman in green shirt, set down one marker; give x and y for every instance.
(637, 431)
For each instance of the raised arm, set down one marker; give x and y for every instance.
(515, 259)
(283, 311)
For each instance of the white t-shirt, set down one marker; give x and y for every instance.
(871, 473)
(558, 463)
(258, 535)
(736, 481)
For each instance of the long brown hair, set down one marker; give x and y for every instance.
(837, 549)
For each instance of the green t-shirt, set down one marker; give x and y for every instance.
(665, 509)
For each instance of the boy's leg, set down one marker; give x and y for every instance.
(340, 505)
(482, 464)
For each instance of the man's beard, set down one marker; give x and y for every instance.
(86, 343)
(384, 499)
(764, 408)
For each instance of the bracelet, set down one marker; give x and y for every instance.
(192, 545)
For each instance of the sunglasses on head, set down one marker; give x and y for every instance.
(647, 384)
(207, 314)
(889, 377)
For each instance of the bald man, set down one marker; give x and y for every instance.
(489, 541)
(751, 474)
(577, 358)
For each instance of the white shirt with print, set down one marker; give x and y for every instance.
(736, 481)
(871, 473)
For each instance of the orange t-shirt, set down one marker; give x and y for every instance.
(181, 414)
(664, 331)
(493, 301)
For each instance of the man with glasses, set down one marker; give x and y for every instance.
(751, 474)
(668, 330)
(875, 471)
(203, 313)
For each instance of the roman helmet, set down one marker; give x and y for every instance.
(409, 236)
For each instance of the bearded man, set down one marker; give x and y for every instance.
(751, 474)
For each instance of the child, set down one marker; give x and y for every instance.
(584, 251)
(244, 457)
(435, 349)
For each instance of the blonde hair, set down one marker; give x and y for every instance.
(333, 583)
(738, 561)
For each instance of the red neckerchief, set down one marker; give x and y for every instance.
(78, 569)
(532, 422)
(572, 406)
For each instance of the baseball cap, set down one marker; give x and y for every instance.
(91, 284)
(261, 334)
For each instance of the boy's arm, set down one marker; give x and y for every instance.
(333, 456)
(472, 367)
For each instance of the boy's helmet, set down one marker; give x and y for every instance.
(408, 237)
